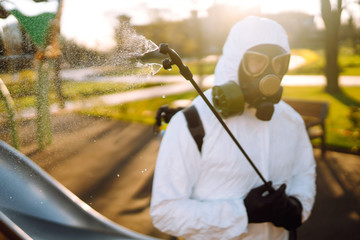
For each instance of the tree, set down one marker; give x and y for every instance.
(44, 30)
(331, 17)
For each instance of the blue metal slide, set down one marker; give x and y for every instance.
(33, 205)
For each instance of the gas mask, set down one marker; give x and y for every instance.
(260, 73)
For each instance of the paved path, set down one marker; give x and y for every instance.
(180, 85)
(90, 74)
(177, 85)
(336, 213)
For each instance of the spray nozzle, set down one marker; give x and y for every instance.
(174, 59)
(167, 63)
(161, 53)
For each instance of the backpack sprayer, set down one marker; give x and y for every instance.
(186, 73)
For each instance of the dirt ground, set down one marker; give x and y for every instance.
(109, 164)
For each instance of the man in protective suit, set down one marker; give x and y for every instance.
(213, 192)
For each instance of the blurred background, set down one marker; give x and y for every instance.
(71, 83)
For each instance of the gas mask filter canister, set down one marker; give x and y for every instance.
(260, 73)
(228, 99)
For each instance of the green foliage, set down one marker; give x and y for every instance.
(354, 116)
(23, 91)
(22, 84)
(79, 90)
(349, 62)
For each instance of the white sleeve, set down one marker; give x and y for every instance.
(173, 210)
(303, 185)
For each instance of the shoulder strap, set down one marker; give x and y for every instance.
(195, 125)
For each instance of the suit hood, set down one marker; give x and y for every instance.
(245, 34)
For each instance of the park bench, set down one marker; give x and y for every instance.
(314, 114)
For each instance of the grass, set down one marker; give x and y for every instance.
(143, 111)
(340, 131)
(82, 90)
(349, 63)
(314, 65)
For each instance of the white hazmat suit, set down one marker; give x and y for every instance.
(201, 195)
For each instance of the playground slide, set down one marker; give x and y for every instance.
(33, 205)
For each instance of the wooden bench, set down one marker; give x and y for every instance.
(314, 114)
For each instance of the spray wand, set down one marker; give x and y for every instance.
(186, 73)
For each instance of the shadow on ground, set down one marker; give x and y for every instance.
(336, 213)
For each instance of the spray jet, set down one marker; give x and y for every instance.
(153, 56)
(186, 73)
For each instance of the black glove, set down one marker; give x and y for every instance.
(287, 212)
(259, 203)
(264, 204)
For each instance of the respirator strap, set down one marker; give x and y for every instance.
(195, 125)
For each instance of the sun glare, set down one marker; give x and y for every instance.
(92, 22)
(309, 6)
(92, 26)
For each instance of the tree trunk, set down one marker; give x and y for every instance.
(44, 132)
(331, 19)
(332, 66)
